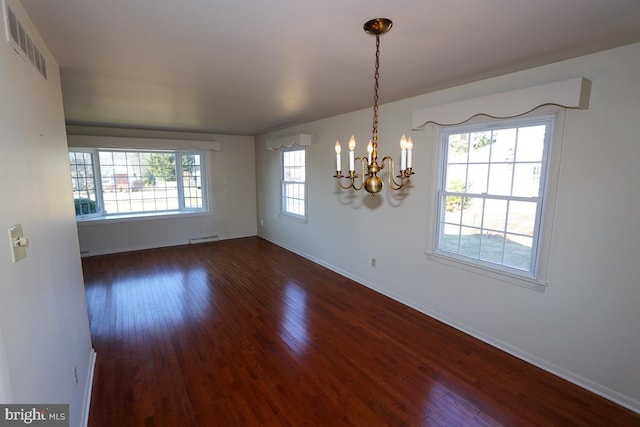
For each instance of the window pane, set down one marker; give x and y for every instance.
(481, 148)
(138, 181)
(451, 238)
(490, 191)
(458, 148)
(477, 178)
(495, 214)
(500, 179)
(480, 140)
(526, 180)
(453, 209)
(530, 143)
(191, 181)
(83, 183)
(518, 252)
(492, 247)
(472, 212)
(522, 217)
(470, 242)
(294, 198)
(504, 148)
(456, 178)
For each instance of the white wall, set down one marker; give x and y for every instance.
(6, 386)
(584, 327)
(43, 313)
(232, 199)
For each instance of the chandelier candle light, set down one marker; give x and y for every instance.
(372, 183)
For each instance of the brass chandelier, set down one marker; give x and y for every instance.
(369, 165)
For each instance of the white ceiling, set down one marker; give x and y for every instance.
(245, 67)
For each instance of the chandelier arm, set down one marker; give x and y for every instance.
(364, 162)
(362, 173)
(353, 176)
(391, 180)
(348, 186)
(390, 175)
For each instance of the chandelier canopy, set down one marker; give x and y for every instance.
(369, 180)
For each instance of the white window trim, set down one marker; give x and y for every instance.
(102, 217)
(540, 280)
(299, 218)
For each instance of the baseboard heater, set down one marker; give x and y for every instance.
(204, 239)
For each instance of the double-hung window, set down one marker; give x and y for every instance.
(491, 193)
(293, 175)
(119, 183)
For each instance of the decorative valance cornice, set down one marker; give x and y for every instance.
(94, 141)
(299, 139)
(572, 93)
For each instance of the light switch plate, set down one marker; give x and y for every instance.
(17, 251)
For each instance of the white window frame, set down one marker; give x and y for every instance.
(284, 182)
(101, 215)
(536, 278)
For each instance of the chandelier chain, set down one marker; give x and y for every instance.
(375, 88)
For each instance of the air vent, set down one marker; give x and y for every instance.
(19, 38)
(204, 239)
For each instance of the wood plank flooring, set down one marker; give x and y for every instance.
(244, 333)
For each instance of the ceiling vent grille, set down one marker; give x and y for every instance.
(19, 38)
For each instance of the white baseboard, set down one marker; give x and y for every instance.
(97, 252)
(599, 389)
(88, 388)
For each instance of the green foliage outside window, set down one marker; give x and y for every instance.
(457, 203)
(160, 165)
(85, 206)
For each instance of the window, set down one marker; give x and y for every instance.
(491, 192)
(109, 183)
(83, 182)
(293, 182)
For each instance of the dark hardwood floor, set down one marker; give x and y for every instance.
(244, 333)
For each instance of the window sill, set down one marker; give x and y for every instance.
(300, 219)
(109, 219)
(504, 276)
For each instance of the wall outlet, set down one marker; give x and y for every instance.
(373, 262)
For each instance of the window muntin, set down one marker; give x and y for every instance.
(491, 191)
(138, 182)
(293, 182)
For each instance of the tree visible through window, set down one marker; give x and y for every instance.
(491, 191)
(116, 182)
